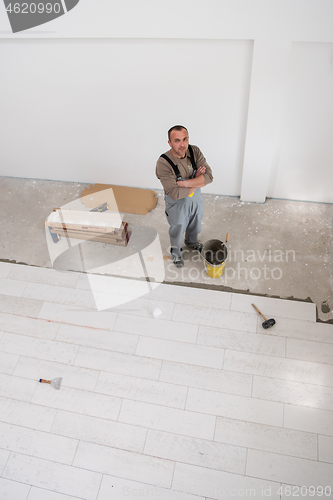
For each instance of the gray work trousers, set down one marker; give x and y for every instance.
(184, 216)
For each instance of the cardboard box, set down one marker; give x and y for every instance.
(124, 199)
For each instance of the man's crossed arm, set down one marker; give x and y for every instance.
(197, 182)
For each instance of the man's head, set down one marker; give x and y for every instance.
(178, 141)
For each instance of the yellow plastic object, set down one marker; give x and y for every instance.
(214, 254)
(191, 194)
(214, 271)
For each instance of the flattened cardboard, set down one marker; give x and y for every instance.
(129, 200)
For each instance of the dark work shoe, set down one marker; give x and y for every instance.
(198, 246)
(178, 261)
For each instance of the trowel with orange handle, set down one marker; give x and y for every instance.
(55, 383)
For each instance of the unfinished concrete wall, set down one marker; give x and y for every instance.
(89, 96)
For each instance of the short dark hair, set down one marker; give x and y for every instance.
(176, 127)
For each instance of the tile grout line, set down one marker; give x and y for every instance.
(318, 447)
(29, 491)
(100, 485)
(252, 386)
(3, 471)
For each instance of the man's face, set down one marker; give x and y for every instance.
(178, 142)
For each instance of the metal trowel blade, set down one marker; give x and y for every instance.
(56, 383)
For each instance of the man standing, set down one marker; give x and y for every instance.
(183, 170)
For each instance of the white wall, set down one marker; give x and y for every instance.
(89, 96)
(99, 110)
(304, 170)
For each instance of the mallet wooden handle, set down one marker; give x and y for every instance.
(259, 312)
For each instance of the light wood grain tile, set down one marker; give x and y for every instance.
(38, 348)
(12, 490)
(167, 419)
(240, 341)
(101, 339)
(297, 393)
(146, 308)
(14, 288)
(57, 477)
(280, 368)
(266, 438)
(157, 328)
(4, 455)
(289, 470)
(206, 378)
(78, 401)
(74, 315)
(303, 330)
(124, 464)
(170, 406)
(140, 389)
(192, 296)
(271, 307)
(20, 306)
(214, 317)
(44, 275)
(310, 351)
(111, 292)
(16, 387)
(5, 268)
(100, 431)
(73, 376)
(124, 488)
(119, 303)
(308, 419)
(219, 485)
(142, 307)
(112, 284)
(189, 450)
(37, 444)
(8, 361)
(325, 449)
(42, 494)
(126, 295)
(181, 352)
(32, 327)
(26, 414)
(59, 295)
(115, 362)
(231, 406)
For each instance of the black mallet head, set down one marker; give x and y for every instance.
(268, 323)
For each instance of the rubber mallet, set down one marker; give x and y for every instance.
(268, 323)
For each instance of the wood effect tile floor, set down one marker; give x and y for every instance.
(176, 393)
